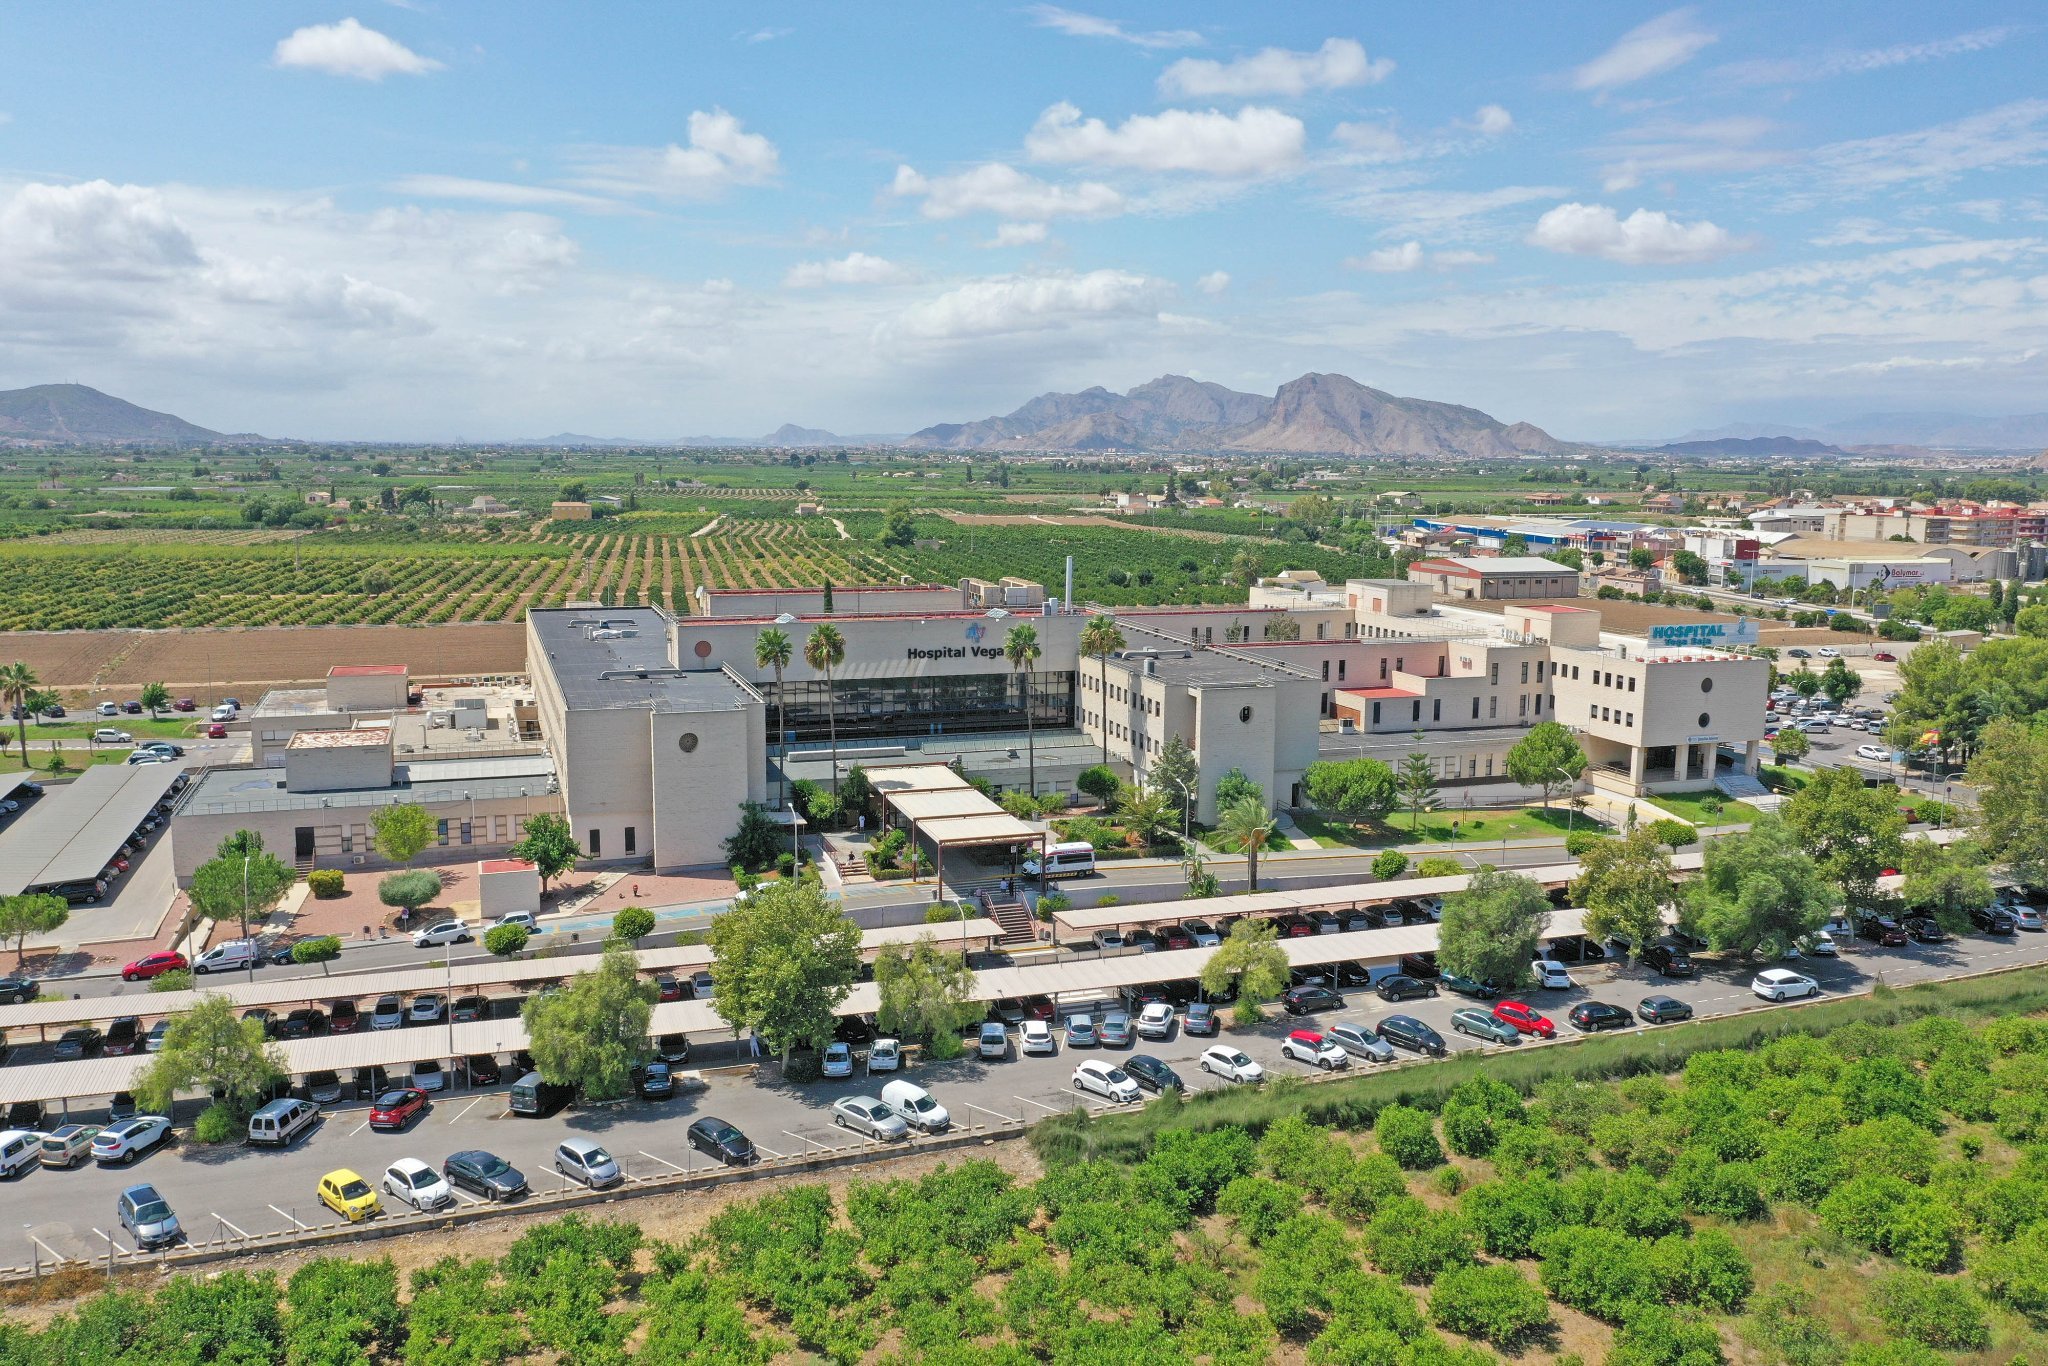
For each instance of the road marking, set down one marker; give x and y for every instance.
(294, 1218)
(456, 1118)
(464, 1196)
(662, 1160)
(360, 1127)
(227, 1223)
(1051, 1109)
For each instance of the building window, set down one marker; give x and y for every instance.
(1493, 674)
(1525, 704)
(1415, 710)
(348, 840)
(1326, 671)
(441, 831)
(1631, 684)
(1706, 685)
(1592, 710)
(1436, 712)
(1475, 709)
(1340, 669)
(1489, 765)
(1525, 671)
(1631, 719)
(595, 843)
(1492, 708)
(465, 832)
(1383, 668)
(632, 837)
(1375, 713)
(1705, 720)
(1322, 630)
(1539, 704)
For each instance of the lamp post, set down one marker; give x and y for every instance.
(249, 968)
(1571, 812)
(1187, 809)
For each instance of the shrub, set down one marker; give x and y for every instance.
(1187, 1170)
(1653, 1335)
(1259, 1205)
(1577, 842)
(1099, 782)
(1389, 864)
(804, 1066)
(1706, 1271)
(326, 883)
(218, 1123)
(505, 940)
(1675, 833)
(1931, 1310)
(1408, 1240)
(1408, 1136)
(1495, 1304)
(2015, 1274)
(411, 889)
(1601, 1272)
(1439, 867)
(179, 980)
(785, 864)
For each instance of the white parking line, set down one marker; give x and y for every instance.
(457, 1116)
(768, 1150)
(289, 1215)
(662, 1160)
(464, 1196)
(1050, 1109)
(360, 1127)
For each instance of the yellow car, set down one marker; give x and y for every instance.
(349, 1195)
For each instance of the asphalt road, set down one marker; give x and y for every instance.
(265, 1191)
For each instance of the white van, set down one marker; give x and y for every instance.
(233, 956)
(281, 1121)
(20, 1150)
(1072, 858)
(914, 1105)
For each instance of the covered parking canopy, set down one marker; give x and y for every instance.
(73, 833)
(947, 811)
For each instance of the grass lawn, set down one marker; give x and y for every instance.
(1692, 806)
(1457, 826)
(1780, 778)
(77, 727)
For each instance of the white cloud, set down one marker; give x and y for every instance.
(1006, 192)
(721, 154)
(2014, 134)
(1453, 260)
(124, 232)
(1215, 282)
(1436, 213)
(1492, 121)
(1676, 147)
(349, 49)
(1645, 237)
(498, 192)
(1080, 25)
(1409, 256)
(1789, 70)
(1034, 303)
(855, 268)
(1371, 141)
(766, 35)
(1253, 141)
(1018, 235)
(1670, 40)
(1338, 63)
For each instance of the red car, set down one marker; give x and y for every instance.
(343, 1018)
(154, 965)
(1525, 1019)
(396, 1109)
(1885, 657)
(1295, 927)
(1174, 937)
(668, 988)
(183, 704)
(216, 731)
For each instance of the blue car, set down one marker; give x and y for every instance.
(1081, 1031)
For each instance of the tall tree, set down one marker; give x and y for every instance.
(2011, 774)
(1145, 812)
(924, 992)
(1840, 682)
(155, 697)
(33, 913)
(17, 681)
(1245, 825)
(772, 650)
(1100, 639)
(549, 845)
(1625, 886)
(1853, 832)
(1178, 777)
(1491, 930)
(1415, 783)
(1548, 757)
(243, 881)
(1790, 744)
(1020, 647)
(591, 1033)
(1946, 881)
(782, 962)
(402, 832)
(208, 1048)
(1251, 959)
(1758, 892)
(1358, 789)
(824, 651)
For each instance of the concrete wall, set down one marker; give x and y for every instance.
(341, 835)
(366, 692)
(810, 602)
(697, 791)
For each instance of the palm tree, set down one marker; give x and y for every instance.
(1246, 825)
(1020, 647)
(825, 650)
(772, 651)
(1101, 639)
(17, 681)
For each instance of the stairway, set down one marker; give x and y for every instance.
(1740, 786)
(1014, 916)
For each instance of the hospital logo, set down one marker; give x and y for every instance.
(975, 631)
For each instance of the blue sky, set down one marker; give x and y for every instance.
(443, 220)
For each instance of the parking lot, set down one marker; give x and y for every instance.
(234, 1191)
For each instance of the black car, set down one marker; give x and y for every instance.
(120, 1107)
(1593, 1016)
(1662, 1010)
(654, 1081)
(1421, 965)
(1882, 929)
(1401, 987)
(1993, 920)
(484, 1070)
(302, 1023)
(853, 1030)
(485, 1174)
(1405, 1031)
(673, 1049)
(713, 1136)
(1136, 998)
(25, 1114)
(1307, 1000)
(1199, 1019)
(124, 1036)
(1667, 961)
(1150, 1073)
(82, 1042)
(1353, 975)
(279, 954)
(1925, 930)
(15, 990)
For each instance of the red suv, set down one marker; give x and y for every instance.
(1174, 937)
(396, 1109)
(1525, 1019)
(154, 965)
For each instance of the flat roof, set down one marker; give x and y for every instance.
(366, 670)
(226, 791)
(617, 657)
(1198, 668)
(1506, 564)
(74, 830)
(505, 865)
(339, 739)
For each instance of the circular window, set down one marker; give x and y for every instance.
(1705, 720)
(1244, 714)
(703, 649)
(687, 742)
(1706, 685)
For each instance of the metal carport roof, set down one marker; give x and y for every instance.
(75, 829)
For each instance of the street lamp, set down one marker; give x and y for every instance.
(1571, 812)
(1187, 809)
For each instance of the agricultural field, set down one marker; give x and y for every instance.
(206, 665)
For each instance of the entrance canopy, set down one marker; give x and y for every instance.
(947, 812)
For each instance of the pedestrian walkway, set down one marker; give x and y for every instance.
(1291, 832)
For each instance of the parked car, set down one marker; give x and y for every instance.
(669, 988)
(83, 1041)
(1782, 984)
(886, 1055)
(483, 1173)
(302, 1023)
(124, 1037)
(1466, 987)
(349, 1195)
(1401, 987)
(1421, 966)
(673, 1049)
(584, 1160)
(1480, 1024)
(427, 1075)
(147, 1217)
(130, 1139)
(1306, 1045)
(1081, 1031)
(868, 1116)
(1405, 1031)
(1036, 1036)
(1359, 1041)
(1308, 1000)
(323, 1087)
(396, 1109)
(483, 1069)
(469, 1009)
(107, 735)
(1993, 920)
(1155, 1021)
(419, 1185)
(426, 1008)
(1662, 1010)
(1202, 932)
(838, 1060)
(654, 1081)
(1668, 961)
(388, 1013)
(1882, 929)
(446, 932)
(1231, 1064)
(163, 747)
(1926, 930)
(1550, 974)
(15, 990)
(1590, 1017)
(68, 1145)
(721, 1141)
(1199, 1019)
(1150, 1073)
(216, 731)
(1175, 937)
(1524, 1018)
(154, 965)
(1108, 940)
(1114, 1031)
(2026, 917)
(1107, 1080)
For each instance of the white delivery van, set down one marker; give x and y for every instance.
(233, 956)
(914, 1105)
(1072, 858)
(19, 1150)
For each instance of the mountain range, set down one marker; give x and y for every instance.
(1937, 431)
(1314, 415)
(1749, 446)
(73, 414)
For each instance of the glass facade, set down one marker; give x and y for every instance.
(938, 704)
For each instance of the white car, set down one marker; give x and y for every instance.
(107, 735)
(838, 1061)
(1322, 1053)
(1108, 939)
(427, 1076)
(130, 1139)
(1821, 944)
(424, 1009)
(1876, 753)
(1155, 1021)
(1783, 984)
(417, 1184)
(147, 756)
(1231, 1064)
(447, 932)
(1107, 1080)
(523, 919)
(1550, 974)
(1828, 652)
(1036, 1036)
(885, 1055)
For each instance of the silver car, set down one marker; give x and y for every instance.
(583, 1160)
(866, 1115)
(1360, 1041)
